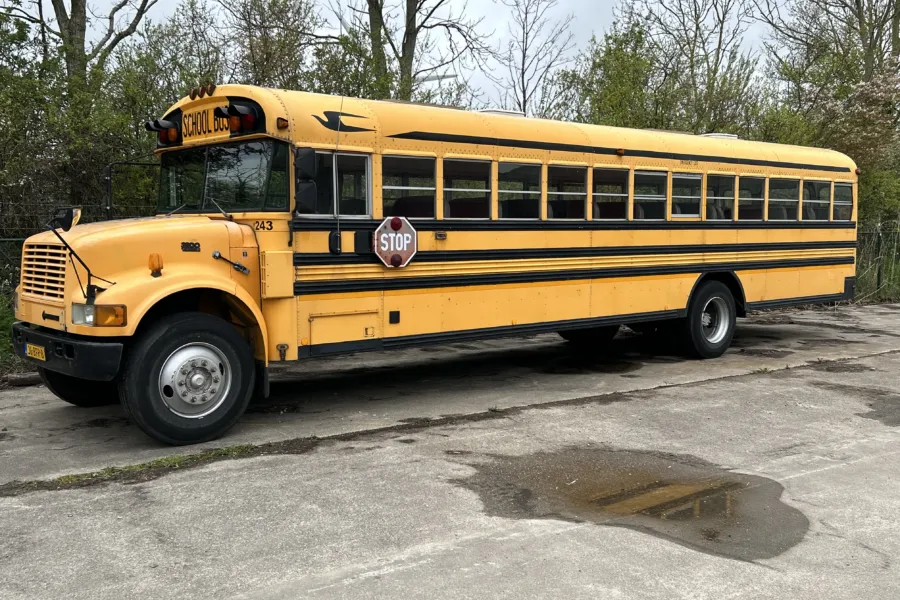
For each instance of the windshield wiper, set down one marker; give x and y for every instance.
(221, 210)
(175, 210)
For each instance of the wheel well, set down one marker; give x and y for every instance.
(733, 284)
(210, 301)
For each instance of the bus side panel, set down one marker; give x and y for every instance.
(784, 284)
(634, 295)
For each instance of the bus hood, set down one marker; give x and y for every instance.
(115, 249)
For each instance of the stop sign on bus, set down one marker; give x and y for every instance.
(395, 242)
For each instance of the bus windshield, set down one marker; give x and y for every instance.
(238, 177)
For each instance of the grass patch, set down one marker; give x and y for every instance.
(155, 469)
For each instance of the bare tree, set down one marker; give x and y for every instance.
(869, 27)
(273, 39)
(85, 65)
(70, 28)
(537, 48)
(700, 42)
(424, 38)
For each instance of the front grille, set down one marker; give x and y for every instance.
(44, 270)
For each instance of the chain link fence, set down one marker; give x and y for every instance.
(878, 265)
(131, 191)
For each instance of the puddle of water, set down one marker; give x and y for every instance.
(678, 498)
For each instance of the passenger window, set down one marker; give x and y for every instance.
(751, 198)
(816, 200)
(467, 189)
(408, 187)
(843, 201)
(278, 190)
(610, 199)
(353, 184)
(519, 191)
(686, 194)
(720, 197)
(566, 192)
(650, 195)
(784, 199)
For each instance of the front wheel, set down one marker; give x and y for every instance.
(188, 379)
(710, 320)
(80, 392)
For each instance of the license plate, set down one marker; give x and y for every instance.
(35, 352)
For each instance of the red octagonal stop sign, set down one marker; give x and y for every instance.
(395, 242)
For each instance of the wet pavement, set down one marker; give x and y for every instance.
(507, 469)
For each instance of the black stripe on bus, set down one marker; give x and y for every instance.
(324, 258)
(330, 224)
(450, 337)
(786, 302)
(341, 286)
(453, 138)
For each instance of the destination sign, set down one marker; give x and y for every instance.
(202, 124)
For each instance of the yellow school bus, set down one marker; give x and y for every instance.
(293, 225)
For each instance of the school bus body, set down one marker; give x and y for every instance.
(312, 285)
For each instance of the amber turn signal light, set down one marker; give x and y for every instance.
(109, 316)
(155, 264)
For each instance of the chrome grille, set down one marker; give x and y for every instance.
(44, 270)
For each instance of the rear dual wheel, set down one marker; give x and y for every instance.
(706, 331)
(79, 392)
(187, 379)
(709, 326)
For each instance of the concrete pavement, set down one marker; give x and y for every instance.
(504, 469)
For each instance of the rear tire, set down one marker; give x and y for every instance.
(188, 379)
(590, 336)
(709, 326)
(80, 392)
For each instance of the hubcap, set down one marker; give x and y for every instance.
(715, 320)
(194, 380)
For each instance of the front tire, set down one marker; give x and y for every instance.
(188, 379)
(80, 392)
(710, 321)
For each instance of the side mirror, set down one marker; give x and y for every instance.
(306, 195)
(65, 218)
(305, 164)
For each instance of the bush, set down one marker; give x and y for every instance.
(9, 362)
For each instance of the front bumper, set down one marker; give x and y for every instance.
(68, 354)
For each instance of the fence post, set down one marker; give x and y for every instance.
(879, 264)
(109, 169)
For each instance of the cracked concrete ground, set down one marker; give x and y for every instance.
(768, 473)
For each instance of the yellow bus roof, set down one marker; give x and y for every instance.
(388, 126)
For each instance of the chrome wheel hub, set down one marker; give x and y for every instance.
(194, 380)
(715, 320)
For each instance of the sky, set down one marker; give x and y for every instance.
(592, 17)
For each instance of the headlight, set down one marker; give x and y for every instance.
(98, 315)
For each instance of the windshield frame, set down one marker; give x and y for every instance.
(204, 206)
